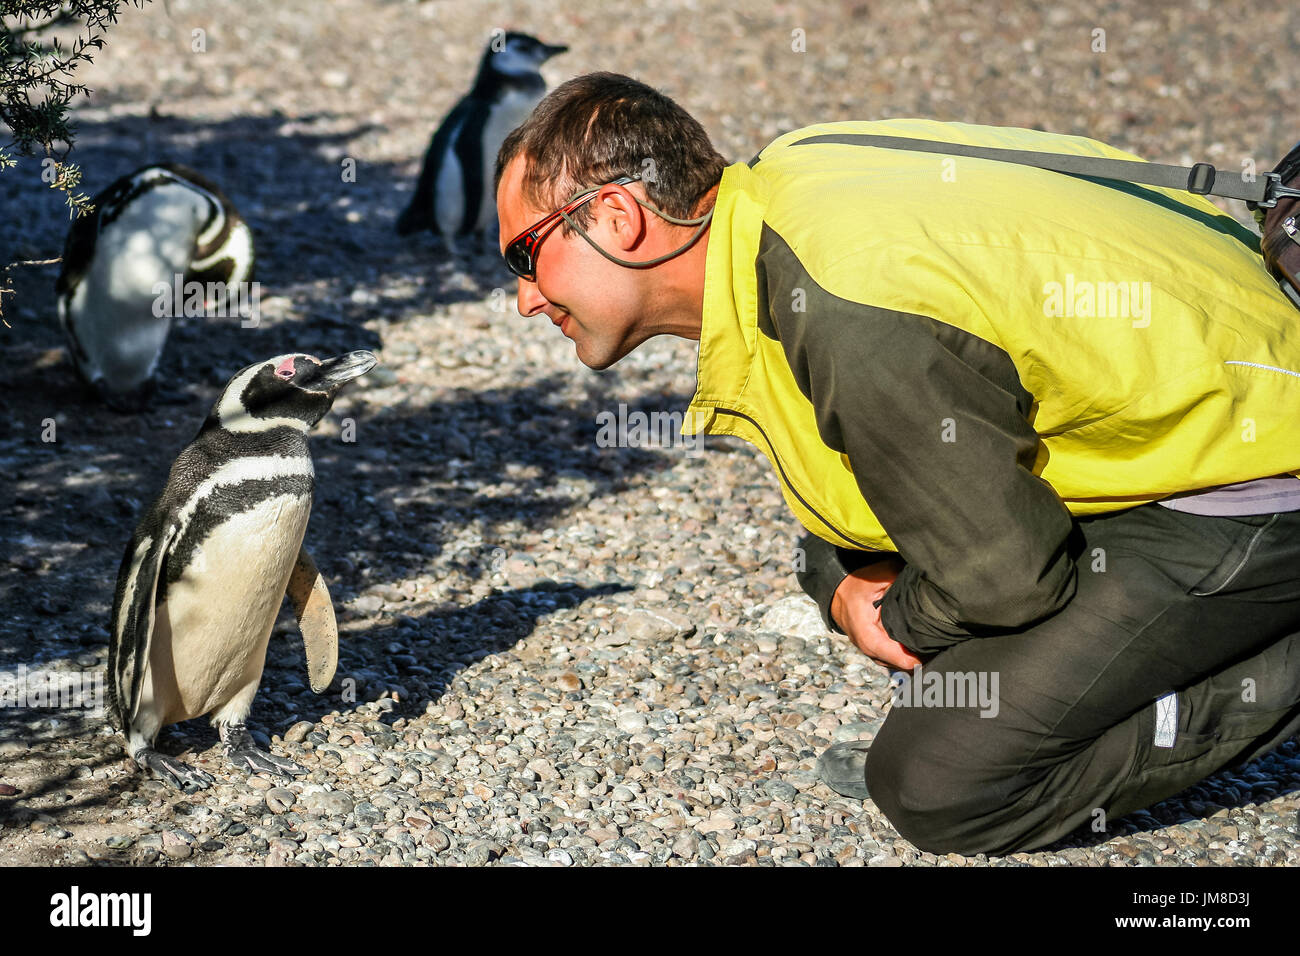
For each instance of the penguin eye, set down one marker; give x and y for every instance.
(284, 373)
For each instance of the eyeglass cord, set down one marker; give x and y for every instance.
(701, 221)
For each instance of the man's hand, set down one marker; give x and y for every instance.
(854, 609)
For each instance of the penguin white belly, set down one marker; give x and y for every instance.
(508, 114)
(449, 190)
(211, 633)
(123, 340)
(113, 307)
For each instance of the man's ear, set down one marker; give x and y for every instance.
(626, 220)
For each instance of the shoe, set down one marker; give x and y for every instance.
(843, 768)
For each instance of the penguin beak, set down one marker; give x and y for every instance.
(341, 369)
(551, 51)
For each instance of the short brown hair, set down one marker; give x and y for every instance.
(595, 128)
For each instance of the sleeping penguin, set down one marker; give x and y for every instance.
(204, 574)
(453, 196)
(150, 227)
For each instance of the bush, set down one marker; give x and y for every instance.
(36, 82)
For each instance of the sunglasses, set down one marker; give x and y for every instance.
(521, 252)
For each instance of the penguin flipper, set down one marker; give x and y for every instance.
(315, 613)
(133, 624)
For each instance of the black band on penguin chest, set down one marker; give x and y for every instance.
(219, 506)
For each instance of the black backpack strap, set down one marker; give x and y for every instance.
(1202, 179)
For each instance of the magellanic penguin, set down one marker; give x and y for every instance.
(453, 196)
(160, 223)
(203, 577)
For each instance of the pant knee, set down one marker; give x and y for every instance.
(937, 804)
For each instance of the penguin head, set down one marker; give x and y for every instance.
(294, 390)
(517, 55)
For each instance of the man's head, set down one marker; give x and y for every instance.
(587, 133)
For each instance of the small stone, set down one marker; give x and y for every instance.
(644, 626)
(176, 846)
(330, 803)
(279, 800)
(631, 722)
(544, 769)
(436, 840)
(780, 790)
(569, 681)
(298, 732)
(480, 854)
(715, 824)
(798, 616)
(858, 730)
(686, 846)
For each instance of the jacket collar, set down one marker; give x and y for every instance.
(729, 324)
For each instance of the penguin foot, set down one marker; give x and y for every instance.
(245, 754)
(172, 771)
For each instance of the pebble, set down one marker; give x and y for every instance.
(480, 854)
(298, 732)
(715, 824)
(331, 803)
(280, 800)
(796, 616)
(631, 723)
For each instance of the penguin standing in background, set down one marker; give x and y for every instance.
(454, 194)
(157, 224)
(203, 577)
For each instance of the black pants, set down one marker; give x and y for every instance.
(1208, 607)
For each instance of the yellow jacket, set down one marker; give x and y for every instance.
(948, 357)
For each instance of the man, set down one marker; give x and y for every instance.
(1016, 477)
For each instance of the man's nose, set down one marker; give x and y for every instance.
(530, 300)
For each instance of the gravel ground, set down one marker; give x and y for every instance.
(553, 653)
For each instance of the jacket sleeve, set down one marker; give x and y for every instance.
(933, 421)
(824, 569)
